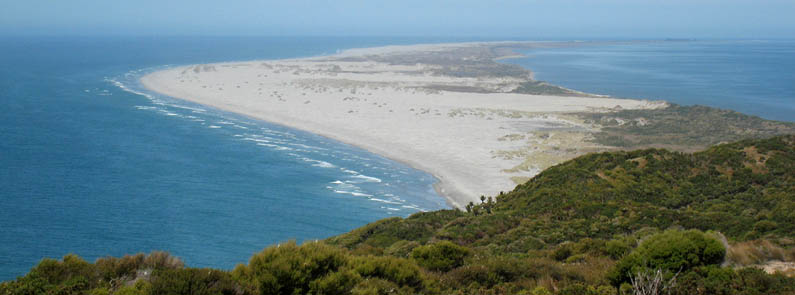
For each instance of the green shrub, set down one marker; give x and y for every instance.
(563, 251)
(401, 248)
(376, 286)
(289, 269)
(114, 268)
(757, 280)
(672, 251)
(577, 289)
(606, 290)
(481, 275)
(340, 282)
(397, 270)
(99, 291)
(576, 258)
(441, 256)
(139, 288)
(69, 268)
(540, 291)
(617, 248)
(191, 281)
(765, 226)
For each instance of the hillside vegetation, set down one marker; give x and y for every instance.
(604, 223)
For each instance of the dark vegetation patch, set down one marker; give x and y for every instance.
(458, 88)
(544, 88)
(686, 128)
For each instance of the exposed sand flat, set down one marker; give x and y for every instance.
(469, 140)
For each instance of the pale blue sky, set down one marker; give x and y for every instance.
(486, 18)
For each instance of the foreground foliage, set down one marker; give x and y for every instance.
(592, 225)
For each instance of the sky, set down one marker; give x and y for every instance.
(554, 19)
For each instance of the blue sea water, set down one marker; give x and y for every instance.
(92, 164)
(755, 77)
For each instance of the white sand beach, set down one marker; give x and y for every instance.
(475, 142)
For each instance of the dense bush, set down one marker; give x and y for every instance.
(723, 280)
(441, 256)
(73, 275)
(128, 265)
(198, 281)
(400, 271)
(291, 269)
(672, 251)
(317, 268)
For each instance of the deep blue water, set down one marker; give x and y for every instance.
(91, 164)
(752, 77)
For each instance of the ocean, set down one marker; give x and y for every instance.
(755, 77)
(93, 164)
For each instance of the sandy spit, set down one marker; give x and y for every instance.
(399, 111)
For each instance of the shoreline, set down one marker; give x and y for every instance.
(443, 189)
(439, 123)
